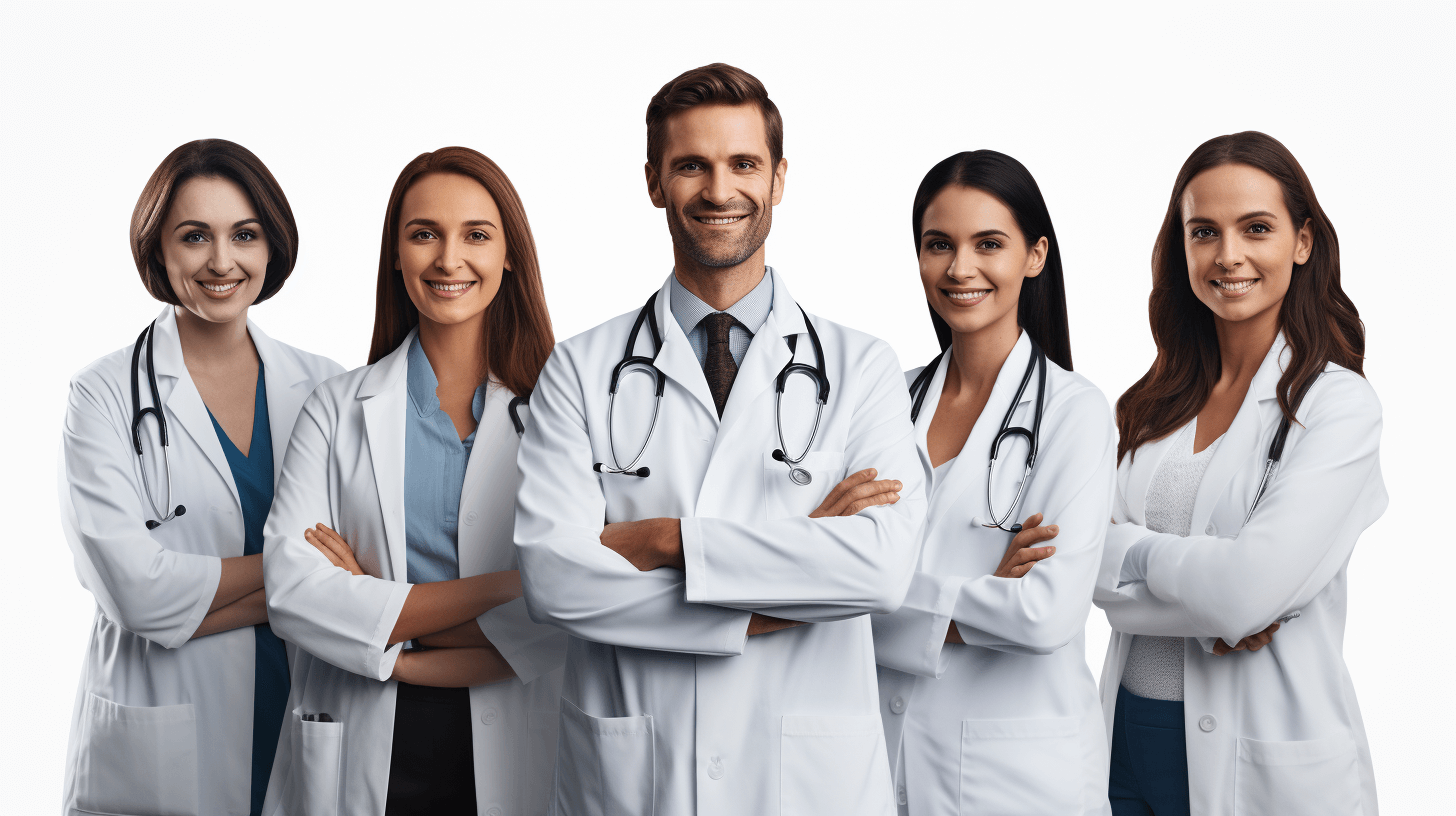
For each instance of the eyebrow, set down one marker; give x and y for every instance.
(982, 234)
(1245, 217)
(205, 225)
(693, 157)
(430, 222)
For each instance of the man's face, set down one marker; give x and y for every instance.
(717, 183)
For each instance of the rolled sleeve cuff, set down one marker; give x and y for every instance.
(211, 577)
(695, 562)
(1121, 539)
(912, 639)
(532, 649)
(380, 657)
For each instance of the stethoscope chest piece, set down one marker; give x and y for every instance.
(799, 476)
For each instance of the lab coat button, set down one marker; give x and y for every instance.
(901, 794)
(897, 705)
(715, 768)
(489, 716)
(1211, 530)
(1207, 722)
(471, 517)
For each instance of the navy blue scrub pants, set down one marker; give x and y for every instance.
(1149, 758)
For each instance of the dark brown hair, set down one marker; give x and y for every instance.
(1041, 310)
(518, 336)
(716, 84)
(1318, 319)
(212, 158)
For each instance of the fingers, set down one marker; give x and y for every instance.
(316, 540)
(869, 494)
(1030, 536)
(850, 482)
(1033, 520)
(1220, 648)
(1258, 641)
(331, 539)
(1031, 555)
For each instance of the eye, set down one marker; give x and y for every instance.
(422, 235)
(194, 237)
(245, 235)
(1259, 228)
(477, 235)
(691, 167)
(744, 165)
(1200, 233)
(989, 244)
(938, 245)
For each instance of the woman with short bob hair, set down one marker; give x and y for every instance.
(1249, 466)
(987, 701)
(425, 686)
(168, 475)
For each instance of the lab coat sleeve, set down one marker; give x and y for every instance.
(1302, 532)
(147, 589)
(1045, 609)
(341, 618)
(570, 579)
(830, 568)
(532, 649)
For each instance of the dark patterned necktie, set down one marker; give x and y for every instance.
(719, 366)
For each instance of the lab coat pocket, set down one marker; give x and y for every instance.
(604, 765)
(1014, 767)
(1295, 778)
(138, 760)
(318, 749)
(783, 498)
(834, 766)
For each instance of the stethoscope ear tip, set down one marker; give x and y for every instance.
(1015, 528)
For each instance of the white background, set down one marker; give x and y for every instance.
(1101, 104)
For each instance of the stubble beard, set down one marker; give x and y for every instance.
(721, 256)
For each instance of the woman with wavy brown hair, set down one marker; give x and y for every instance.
(425, 686)
(1248, 467)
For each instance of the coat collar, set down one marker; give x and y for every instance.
(384, 392)
(968, 471)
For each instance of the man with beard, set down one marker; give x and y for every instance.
(682, 514)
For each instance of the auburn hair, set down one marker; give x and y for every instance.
(212, 158)
(716, 84)
(1041, 310)
(1319, 321)
(517, 336)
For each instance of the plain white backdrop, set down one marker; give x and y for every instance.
(1101, 103)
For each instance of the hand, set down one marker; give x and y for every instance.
(763, 624)
(647, 544)
(1253, 642)
(1021, 554)
(857, 492)
(334, 547)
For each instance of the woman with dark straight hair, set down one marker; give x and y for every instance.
(989, 706)
(425, 686)
(167, 479)
(1249, 466)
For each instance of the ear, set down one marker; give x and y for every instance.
(654, 186)
(780, 173)
(1304, 242)
(1036, 258)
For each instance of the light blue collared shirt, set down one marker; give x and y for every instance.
(434, 474)
(751, 311)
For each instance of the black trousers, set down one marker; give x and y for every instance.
(431, 767)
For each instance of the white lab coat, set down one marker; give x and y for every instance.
(162, 723)
(345, 467)
(1009, 723)
(667, 707)
(1275, 731)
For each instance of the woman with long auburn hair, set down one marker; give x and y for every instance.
(987, 701)
(423, 686)
(1249, 466)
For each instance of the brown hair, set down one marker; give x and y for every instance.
(518, 336)
(212, 158)
(1318, 319)
(716, 84)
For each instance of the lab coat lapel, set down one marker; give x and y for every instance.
(179, 394)
(384, 391)
(676, 359)
(767, 354)
(966, 479)
(287, 385)
(1242, 436)
(489, 488)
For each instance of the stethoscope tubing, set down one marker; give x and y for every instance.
(138, 414)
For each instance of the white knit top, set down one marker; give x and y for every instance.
(1154, 667)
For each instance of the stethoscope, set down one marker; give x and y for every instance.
(1276, 449)
(631, 362)
(138, 413)
(921, 386)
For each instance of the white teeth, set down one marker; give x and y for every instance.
(722, 220)
(448, 287)
(976, 295)
(219, 287)
(1236, 287)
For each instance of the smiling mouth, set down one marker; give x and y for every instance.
(968, 298)
(1234, 288)
(719, 220)
(449, 289)
(220, 288)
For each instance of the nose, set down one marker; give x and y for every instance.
(450, 257)
(220, 262)
(962, 267)
(719, 190)
(1230, 254)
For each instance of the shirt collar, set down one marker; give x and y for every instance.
(751, 310)
(422, 384)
